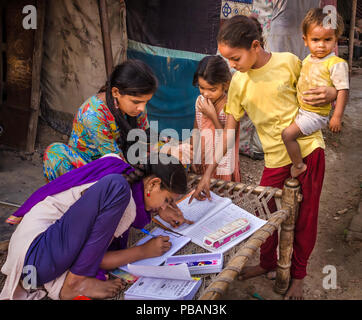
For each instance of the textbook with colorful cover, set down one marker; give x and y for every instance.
(162, 283)
(210, 216)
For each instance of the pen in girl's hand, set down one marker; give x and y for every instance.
(149, 233)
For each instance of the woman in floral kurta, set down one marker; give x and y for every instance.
(103, 121)
(94, 134)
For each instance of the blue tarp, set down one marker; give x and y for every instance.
(172, 37)
(173, 105)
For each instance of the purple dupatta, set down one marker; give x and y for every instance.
(88, 173)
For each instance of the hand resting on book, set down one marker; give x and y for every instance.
(173, 215)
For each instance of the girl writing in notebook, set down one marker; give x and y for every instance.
(264, 86)
(212, 77)
(76, 227)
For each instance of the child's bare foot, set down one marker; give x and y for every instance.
(295, 291)
(13, 220)
(295, 171)
(250, 272)
(75, 285)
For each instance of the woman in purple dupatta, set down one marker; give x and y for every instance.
(92, 233)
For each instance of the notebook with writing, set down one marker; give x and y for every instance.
(211, 216)
(162, 283)
(177, 242)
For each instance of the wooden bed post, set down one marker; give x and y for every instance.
(290, 200)
(36, 75)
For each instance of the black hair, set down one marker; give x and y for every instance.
(317, 16)
(240, 32)
(213, 69)
(173, 174)
(134, 78)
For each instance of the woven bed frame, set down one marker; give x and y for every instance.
(254, 200)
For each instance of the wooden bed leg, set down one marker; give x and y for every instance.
(290, 200)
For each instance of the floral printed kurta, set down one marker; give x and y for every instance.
(94, 134)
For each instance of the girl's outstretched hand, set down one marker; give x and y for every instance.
(156, 246)
(202, 190)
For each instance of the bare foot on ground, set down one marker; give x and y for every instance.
(250, 272)
(295, 171)
(75, 285)
(295, 291)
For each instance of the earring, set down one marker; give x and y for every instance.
(148, 194)
(115, 103)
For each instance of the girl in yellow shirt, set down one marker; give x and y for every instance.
(265, 87)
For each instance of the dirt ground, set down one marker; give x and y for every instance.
(21, 174)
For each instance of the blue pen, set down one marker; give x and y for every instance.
(148, 233)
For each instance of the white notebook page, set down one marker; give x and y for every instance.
(177, 242)
(220, 219)
(198, 210)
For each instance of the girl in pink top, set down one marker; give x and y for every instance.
(212, 77)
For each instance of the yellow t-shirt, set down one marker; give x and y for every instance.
(326, 72)
(269, 96)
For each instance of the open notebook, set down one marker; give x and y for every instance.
(177, 242)
(209, 216)
(162, 283)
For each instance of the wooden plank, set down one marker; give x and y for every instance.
(14, 111)
(124, 37)
(351, 34)
(106, 35)
(20, 48)
(36, 71)
(17, 108)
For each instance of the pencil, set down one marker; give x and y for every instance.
(165, 228)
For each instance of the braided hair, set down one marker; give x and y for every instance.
(173, 175)
(134, 78)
